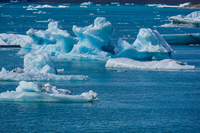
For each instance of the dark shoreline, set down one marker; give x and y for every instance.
(173, 2)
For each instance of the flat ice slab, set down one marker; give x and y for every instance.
(37, 76)
(168, 64)
(13, 39)
(33, 92)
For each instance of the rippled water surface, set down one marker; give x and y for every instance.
(130, 101)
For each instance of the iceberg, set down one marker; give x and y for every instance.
(35, 92)
(38, 67)
(13, 39)
(192, 19)
(92, 42)
(86, 3)
(174, 6)
(166, 64)
(148, 45)
(53, 40)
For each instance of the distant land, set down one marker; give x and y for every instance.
(109, 1)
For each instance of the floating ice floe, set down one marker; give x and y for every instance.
(193, 38)
(38, 67)
(53, 40)
(13, 39)
(93, 42)
(174, 6)
(166, 64)
(148, 45)
(35, 92)
(86, 3)
(191, 20)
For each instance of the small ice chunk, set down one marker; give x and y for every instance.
(17, 70)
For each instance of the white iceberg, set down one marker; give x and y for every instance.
(148, 45)
(166, 64)
(34, 92)
(13, 39)
(174, 6)
(86, 3)
(38, 67)
(192, 19)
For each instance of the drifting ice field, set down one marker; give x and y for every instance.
(129, 100)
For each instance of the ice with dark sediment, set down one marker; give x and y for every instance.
(36, 92)
(190, 20)
(38, 67)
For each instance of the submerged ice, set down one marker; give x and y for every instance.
(35, 92)
(38, 67)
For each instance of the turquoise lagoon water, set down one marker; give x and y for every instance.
(130, 101)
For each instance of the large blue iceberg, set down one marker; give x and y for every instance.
(94, 43)
(35, 92)
(53, 41)
(148, 45)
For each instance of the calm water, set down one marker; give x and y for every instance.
(130, 101)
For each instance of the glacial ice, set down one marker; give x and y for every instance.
(53, 40)
(168, 64)
(192, 19)
(38, 67)
(86, 3)
(175, 6)
(93, 42)
(35, 92)
(148, 45)
(13, 39)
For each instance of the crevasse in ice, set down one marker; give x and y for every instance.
(38, 67)
(193, 19)
(148, 45)
(35, 92)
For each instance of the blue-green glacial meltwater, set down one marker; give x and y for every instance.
(130, 100)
